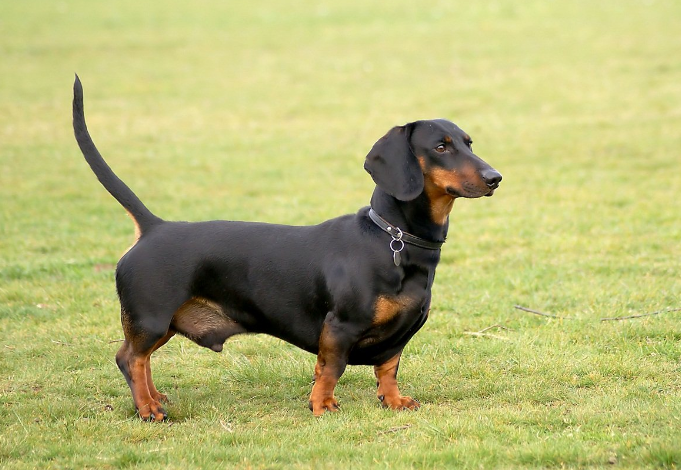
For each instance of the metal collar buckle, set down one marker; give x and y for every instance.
(399, 237)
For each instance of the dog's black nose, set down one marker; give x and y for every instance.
(491, 177)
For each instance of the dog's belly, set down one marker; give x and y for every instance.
(210, 324)
(206, 323)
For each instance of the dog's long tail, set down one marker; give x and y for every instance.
(142, 216)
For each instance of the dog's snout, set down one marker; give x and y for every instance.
(491, 177)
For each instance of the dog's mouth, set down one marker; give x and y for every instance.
(471, 192)
(452, 192)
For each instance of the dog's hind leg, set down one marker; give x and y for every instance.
(133, 359)
(155, 394)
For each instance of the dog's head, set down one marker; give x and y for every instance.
(433, 156)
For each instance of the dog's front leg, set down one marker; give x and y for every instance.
(388, 392)
(334, 347)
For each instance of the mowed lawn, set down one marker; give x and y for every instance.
(264, 111)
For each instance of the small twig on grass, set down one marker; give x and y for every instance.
(501, 327)
(116, 341)
(629, 317)
(21, 422)
(525, 309)
(486, 335)
(60, 342)
(392, 430)
(482, 333)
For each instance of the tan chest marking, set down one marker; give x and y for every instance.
(387, 308)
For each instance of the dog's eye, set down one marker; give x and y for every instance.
(470, 144)
(440, 148)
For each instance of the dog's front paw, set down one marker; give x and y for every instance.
(399, 402)
(160, 397)
(152, 411)
(319, 406)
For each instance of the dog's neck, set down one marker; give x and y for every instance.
(411, 216)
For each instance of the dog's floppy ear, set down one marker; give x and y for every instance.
(393, 166)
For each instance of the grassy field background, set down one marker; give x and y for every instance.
(264, 110)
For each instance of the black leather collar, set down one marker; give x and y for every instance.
(399, 234)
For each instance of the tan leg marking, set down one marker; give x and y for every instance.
(155, 394)
(136, 368)
(330, 366)
(322, 398)
(135, 365)
(388, 392)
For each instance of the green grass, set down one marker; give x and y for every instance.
(265, 111)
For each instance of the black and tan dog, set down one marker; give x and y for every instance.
(352, 290)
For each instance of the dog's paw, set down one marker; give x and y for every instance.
(318, 407)
(152, 411)
(399, 402)
(160, 397)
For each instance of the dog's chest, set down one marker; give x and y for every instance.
(389, 309)
(403, 299)
(395, 319)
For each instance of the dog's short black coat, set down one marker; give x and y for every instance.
(332, 289)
